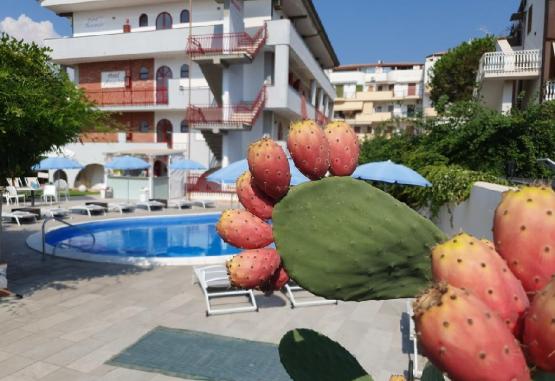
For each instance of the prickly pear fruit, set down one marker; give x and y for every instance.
(244, 230)
(539, 328)
(253, 268)
(252, 198)
(276, 281)
(309, 149)
(462, 336)
(468, 263)
(524, 234)
(344, 148)
(269, 168)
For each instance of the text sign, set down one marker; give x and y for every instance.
(111, 79)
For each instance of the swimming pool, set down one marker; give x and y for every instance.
(182, 239)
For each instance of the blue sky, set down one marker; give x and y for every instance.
(365, 30)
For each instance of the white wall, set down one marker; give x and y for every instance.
(257, 12)
(475, 215)
(534, 39)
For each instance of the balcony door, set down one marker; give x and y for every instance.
(164, 130)
(412, 89)
(163, 76)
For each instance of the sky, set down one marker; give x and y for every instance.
(361, 31)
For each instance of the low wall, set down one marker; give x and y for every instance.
(475, 215)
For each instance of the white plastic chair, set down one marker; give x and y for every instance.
(63, 188)
(9, 180)
(11, 194)
(49, 193)
(18, 183)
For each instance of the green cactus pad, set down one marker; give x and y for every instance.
(431, 373)
(543, 376)
(344, 239)
(308, 356)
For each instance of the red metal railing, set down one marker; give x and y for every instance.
(226, 43)
(321, 118)
(119, 97)
(243, 114)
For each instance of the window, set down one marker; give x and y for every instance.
(380, 88)
(529, 22)
(184, 126)
(143, 74)
(390, 108)
(359, 88)
(411, 111)
(184, 71)
(391, 87)
(143, 20)
(164, 21)
(339, 91)
(379, 109)
(357, 130)
(184, 17)
(143, 126)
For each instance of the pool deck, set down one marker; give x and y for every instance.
(76, 315)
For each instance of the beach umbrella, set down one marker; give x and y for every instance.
(390, 172)
(186, 165)
(230, 173)
(54, 163)
(127, 163)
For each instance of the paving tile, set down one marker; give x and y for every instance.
(13, 364)
(74, 352)
(119, 374)
(64, 374)
(32, 372)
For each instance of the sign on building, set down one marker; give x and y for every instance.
(111, 79)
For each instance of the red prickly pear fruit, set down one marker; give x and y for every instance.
(524, 234)
(474, 265)
(277, 281)
(252, 198)
(253, 268)
(244, 230)
(462, 336)
(344, 148)
(539, 329)
(309, 149)
(269, 168)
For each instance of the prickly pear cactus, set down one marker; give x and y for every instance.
(309, 356)
(343, 239)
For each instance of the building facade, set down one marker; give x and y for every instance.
(382, 97)
(522, 69)
(207, 79)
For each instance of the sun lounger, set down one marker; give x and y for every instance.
(88, 209)
(215, 283)
(416, 373)
(19, 216)
(150, 205)
(56, 212)
(204, 203)
(180, 204)
(291, 288)
(121, 207)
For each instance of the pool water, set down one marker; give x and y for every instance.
(160, 237)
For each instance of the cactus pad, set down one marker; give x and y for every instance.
(343, 239)
(308, 356)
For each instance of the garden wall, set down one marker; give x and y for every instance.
(475, 215)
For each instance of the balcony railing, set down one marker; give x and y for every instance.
(321, 118)
(128, 97)
(549, 91)
(516, 62)
(219, 44)
(227, 117)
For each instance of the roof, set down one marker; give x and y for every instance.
(382, 64)
(150, 152)
(323, 34)
(437, 54)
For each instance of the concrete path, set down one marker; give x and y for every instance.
(76, 315)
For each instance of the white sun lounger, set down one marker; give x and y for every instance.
(19, 216)
(204, 203)
(180, 203)
(416, 373)
(215, 283)
(55, 212)
(88, 209)
(150, 205)
(291, 288)
(121, 207)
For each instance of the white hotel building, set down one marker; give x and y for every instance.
(204, 81)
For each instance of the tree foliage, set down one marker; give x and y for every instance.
(40, 108)
(453, 77)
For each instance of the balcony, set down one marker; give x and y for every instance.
(519, 64)
(348, 105)
(374, 117)
(373, 96)
(232, 117)
(549, 91)
(173, 98)
(226, 47)
(121, 46)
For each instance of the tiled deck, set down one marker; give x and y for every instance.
(76, 315)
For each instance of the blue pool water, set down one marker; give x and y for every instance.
(166, 236)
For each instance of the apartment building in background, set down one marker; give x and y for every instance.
(522, 69)
(202, 81)
(372, 97)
